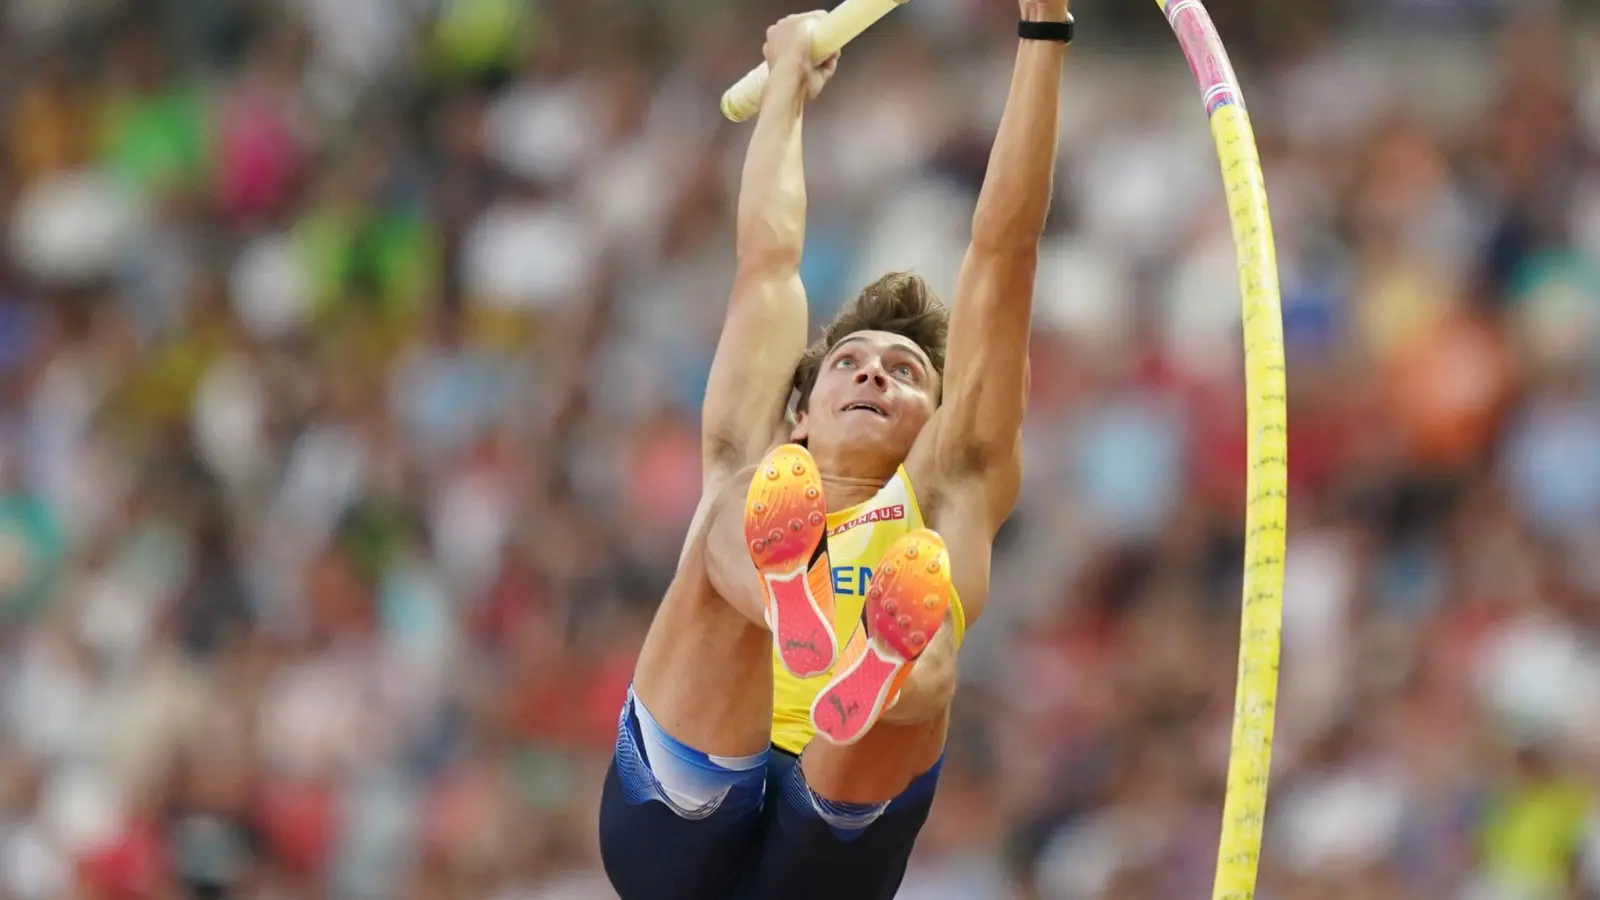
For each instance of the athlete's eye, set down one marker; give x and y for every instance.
(845, 362)
(904, 371)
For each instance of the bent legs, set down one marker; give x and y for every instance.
(705, 672)
(682, 800)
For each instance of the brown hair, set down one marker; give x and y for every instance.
(899, 303)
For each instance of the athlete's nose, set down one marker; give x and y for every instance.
(873, 373)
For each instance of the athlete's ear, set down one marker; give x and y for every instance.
(801, 429)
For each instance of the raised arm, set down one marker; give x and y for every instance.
(973, 439)
(764, 332)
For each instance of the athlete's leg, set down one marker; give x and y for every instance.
(676, 823)
(844, 818)
(881, 720)
(705, 671)
(686, 783)
(906, 742)
(682, 799)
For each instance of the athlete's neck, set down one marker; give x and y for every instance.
(850, 477)
(845, 491)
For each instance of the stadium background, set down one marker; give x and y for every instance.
(351, 350)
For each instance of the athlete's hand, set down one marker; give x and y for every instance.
(788, 47)
(1044, 10)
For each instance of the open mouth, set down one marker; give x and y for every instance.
(866, 407)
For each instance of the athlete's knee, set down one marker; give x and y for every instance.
(930, 688)
(727, 559)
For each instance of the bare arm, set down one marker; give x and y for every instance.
(973, 440)
(764, 332)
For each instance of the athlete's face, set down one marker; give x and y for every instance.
(873, 395)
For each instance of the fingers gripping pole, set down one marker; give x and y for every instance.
(1250, 754)
(839, 27)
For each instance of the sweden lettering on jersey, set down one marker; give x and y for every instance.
(851, 581)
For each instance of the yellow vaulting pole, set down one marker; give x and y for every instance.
(1261, 625)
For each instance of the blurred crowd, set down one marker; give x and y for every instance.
(351, 353)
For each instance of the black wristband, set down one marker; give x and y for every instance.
(1046, 31)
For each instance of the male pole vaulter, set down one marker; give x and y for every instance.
(853, 489)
